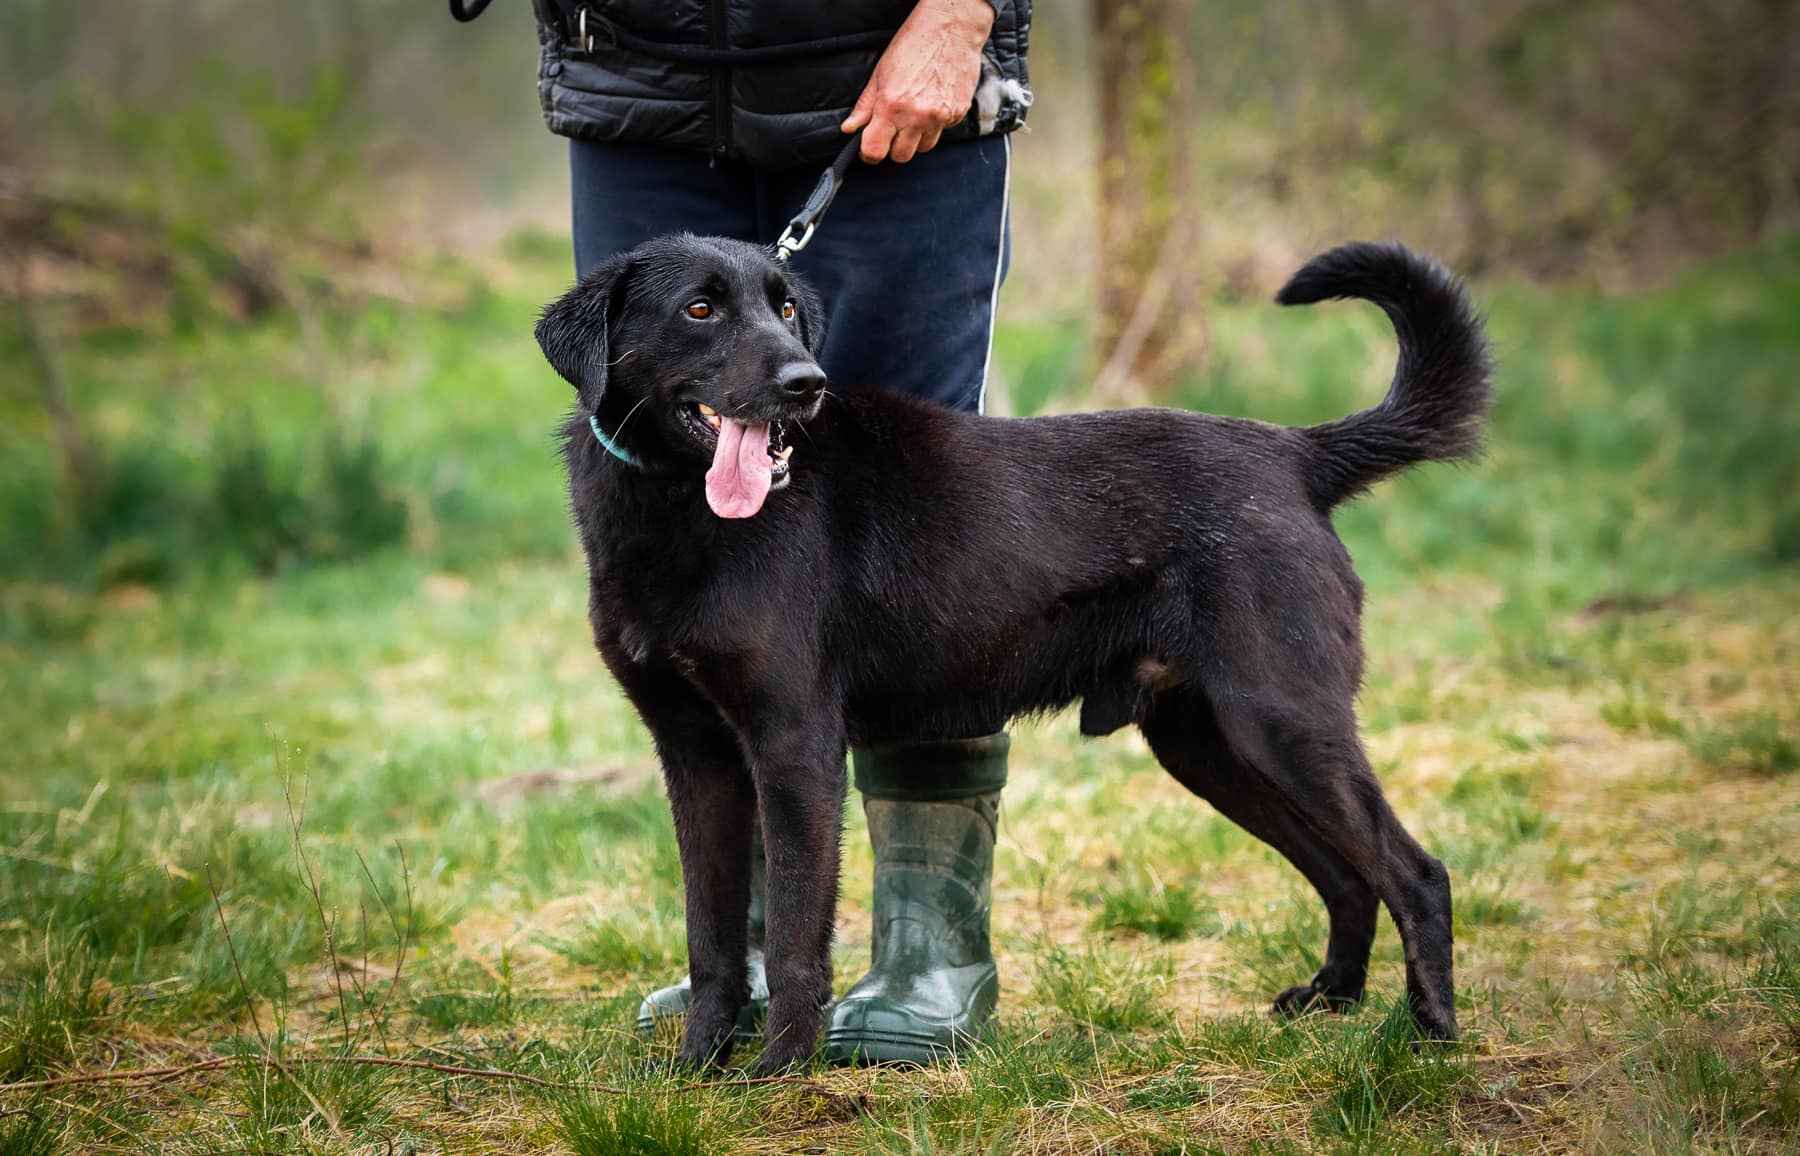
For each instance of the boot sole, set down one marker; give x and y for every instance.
(866, 1048)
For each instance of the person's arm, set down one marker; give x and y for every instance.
(925, 80)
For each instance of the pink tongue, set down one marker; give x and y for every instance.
(739, 479)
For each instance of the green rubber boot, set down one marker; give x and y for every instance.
(671, 1003)
(932, 984)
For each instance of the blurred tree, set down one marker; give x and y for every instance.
(1148, 326)
(80, 482)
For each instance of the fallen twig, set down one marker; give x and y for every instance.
(116, 1074)
(452, 1070)
(169, 1073)
(132, 1075)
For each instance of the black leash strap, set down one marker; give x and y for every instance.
(801, 225)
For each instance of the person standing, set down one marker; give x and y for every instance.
(716, 117)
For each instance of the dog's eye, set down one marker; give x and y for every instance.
(699, 310)
(788, 310)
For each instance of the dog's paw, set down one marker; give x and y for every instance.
(1308, 998)
(786, 1051)
(1435, 1025)
(774, 1062)
(701, 1059)
(705, 1048)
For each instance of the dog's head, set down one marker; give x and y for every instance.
(702, 347)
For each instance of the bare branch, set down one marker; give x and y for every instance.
(172, 1073)
(243, 986)
(297, 817)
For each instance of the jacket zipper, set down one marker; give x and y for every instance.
(721, 79)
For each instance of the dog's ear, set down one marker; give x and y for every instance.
(812, 315)
(574, 331)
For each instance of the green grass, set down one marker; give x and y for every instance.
(1104, 989)
(627, 944)
(276, 1102)
(1382, 1072)
(1166, 911)
(30, 1131)
(1716, 957)
(636, 1126)
(290, 775)
(1759, 742)
(53, 1013)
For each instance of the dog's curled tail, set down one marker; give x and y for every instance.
(1434, 409)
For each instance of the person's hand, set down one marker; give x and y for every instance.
(925, 80)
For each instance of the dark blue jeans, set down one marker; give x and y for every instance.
(909, 260)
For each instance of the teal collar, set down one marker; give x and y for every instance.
(608, 444)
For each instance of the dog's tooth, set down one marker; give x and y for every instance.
(705, 410)
(713, 421)
(785, 454)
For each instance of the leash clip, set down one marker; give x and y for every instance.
(800, 227)
(787, 244)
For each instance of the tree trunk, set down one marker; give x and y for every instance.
(1148, 328)
(77, 460)
(1773, 102)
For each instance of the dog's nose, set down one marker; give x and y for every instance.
(800, 379)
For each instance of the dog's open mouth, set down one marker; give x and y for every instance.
(750, 461)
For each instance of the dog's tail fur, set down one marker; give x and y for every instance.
(1434, 409)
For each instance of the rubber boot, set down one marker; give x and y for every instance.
(671, 1003)
(932, 985)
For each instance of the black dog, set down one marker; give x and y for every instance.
(777, 572)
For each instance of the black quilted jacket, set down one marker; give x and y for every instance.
(767, 81)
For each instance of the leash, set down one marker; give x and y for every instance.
(801, 225)
(465, 10)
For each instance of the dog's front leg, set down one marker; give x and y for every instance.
(799, 773)
(713, 814)
(713, 804)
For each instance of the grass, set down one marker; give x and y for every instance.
(346, 785)
(627, 944)
(57, 1004)
(1104, 989)
(1165, 911)
(1377, 1075)
(1756, 742)
(30, 1131)
(636, 1126)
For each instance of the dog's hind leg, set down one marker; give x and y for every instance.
(1183, 732)
(713, 802)
(1300, 736)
